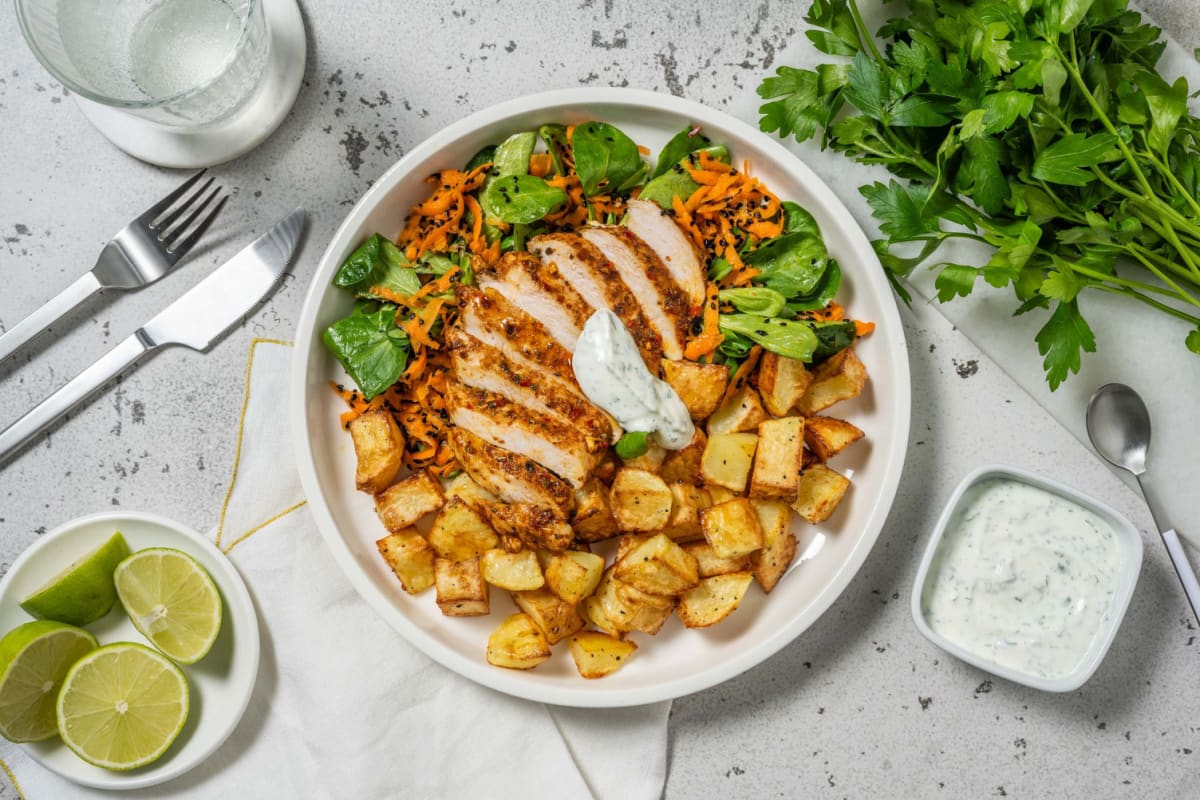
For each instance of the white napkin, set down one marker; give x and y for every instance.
(343, 706)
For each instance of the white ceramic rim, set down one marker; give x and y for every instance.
(236, 596)
(1129, 540)
(477, 669)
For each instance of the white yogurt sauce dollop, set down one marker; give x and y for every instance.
(1024, 578)
(611, 373)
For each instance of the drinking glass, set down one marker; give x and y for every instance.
(182, 63)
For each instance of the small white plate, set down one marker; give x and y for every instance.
(220, 683)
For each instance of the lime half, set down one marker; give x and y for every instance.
(83, 592)
(171, 600)
(34, 658)
(122, 705)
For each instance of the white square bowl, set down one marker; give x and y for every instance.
(1129, 542)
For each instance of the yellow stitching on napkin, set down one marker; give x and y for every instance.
(12, 779)
(259, 527)
(237, 454)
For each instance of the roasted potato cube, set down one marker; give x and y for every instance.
(821, 489)
(770, 563)
(517, 644)
(598, 654)
(605, 610)
(732, 528)
(460, 532)
(651, 460)
(840, 377)
(593, 609)
(461, 589)
(410, 557)
(403, 503)
(713, 599)
(606, 469)
(708, 563)
(727, 459)
(782, 382)
(827, 437)
(699, 386)
(741, 412)
(556, 619)
(464, 486)
(774, 517)
(593, 520)
(640, 500)
(687, 501)
(627, 542)
(684, 465)
(646, 612)
(778, 458)
(379, 446)
(573, 575)
(658, 566)
(516, 572)
(719, 494)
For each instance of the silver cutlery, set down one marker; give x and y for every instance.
(195, 320)
(141, 253)
(1119, 426)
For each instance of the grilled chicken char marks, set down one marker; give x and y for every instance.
(538, 289)
(658, 229)
(489, 317)
(596, 280)
(557, 446)
(510, 476)
(528, 525)
(482, 366)
(665, 305)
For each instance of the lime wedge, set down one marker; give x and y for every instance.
(34, 658)
(171, 600)
(83, 592)
(122, 705)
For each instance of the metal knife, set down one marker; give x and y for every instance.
(195, 320)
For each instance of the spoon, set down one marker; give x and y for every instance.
(1119, 426)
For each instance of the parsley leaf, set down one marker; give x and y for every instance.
(1062, 340)
(798, 112)
(1063, 161)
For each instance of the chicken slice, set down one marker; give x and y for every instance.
(482, 366)
(663, 302)
(530, 525)
(583, 265)
(557, 446)
(511, 477)
(539, 290)
(491, 319)
(654, 226)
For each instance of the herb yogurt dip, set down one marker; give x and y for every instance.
(1023, 577)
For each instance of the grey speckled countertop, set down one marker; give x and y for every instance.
(860, 705)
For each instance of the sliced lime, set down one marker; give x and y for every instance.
(122, 705)
(171, 600)
(34, 658)
(83, 592)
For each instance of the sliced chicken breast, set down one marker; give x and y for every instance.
(538, 289)
(511, 477)
(482, 366)
(559, 447)
(654, 226)
(528, 525)
(582, 265)
(490, 318)
(665, 304)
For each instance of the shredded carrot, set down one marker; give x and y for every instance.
(540, 164)
(418, 327)
(643, 149)
(433, 224)
(710, 337)
(830, 313)
(863, 328)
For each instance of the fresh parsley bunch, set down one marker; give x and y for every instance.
(1040, 128)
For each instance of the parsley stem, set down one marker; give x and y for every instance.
(1178, 293)
(864, 35)
(1150, 301)
(1174, 181)
(1137, 250)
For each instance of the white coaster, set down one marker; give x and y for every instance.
(243, 131)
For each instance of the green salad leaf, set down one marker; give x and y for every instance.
(369, 346)
(606, 160)
(377, 262)
(792, 338)
(522, 198)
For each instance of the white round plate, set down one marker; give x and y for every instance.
(247, 128)
(677, 661)
(220, 683)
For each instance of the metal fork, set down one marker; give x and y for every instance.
(141, 253)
